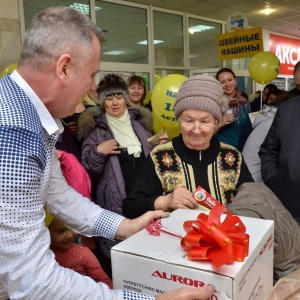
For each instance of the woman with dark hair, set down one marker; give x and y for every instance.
(236, 125)
(137, 90)
(115, 145)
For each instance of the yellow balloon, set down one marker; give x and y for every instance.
(9, 69)
(264, 67)
(48, 218)
(163, 100)
(147, 97)
(172, 131)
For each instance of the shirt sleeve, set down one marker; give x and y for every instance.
(64, 202)
(28, 269)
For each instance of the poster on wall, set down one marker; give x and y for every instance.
(287, 50)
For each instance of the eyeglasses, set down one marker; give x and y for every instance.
(203, 125)
(118, 96)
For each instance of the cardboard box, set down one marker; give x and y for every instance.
(155, 264)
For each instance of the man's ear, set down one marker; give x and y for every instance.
(64, 65)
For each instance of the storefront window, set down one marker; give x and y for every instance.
(203, 43)
(125, 29)
(31, 8)
(162, 73)
(168, 39)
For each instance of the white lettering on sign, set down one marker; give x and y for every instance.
(288, 55)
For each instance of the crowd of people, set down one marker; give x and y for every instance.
(89, 163)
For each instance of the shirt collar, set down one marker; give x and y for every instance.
(50, 124)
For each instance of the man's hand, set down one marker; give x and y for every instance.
(201, 293)
(129, 227)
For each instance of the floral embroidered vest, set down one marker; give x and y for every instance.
(218, 174)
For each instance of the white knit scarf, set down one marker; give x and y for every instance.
(124, 133)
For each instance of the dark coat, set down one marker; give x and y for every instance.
(105, 170)
(294, 92)
(257, 201)
(280, 156)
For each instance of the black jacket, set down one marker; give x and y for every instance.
(294, 92)
(280, 156)
(220, 170)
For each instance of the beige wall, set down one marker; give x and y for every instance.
(10, 33)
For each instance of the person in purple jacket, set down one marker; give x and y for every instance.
(115, 145)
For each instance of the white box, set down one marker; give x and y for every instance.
(155, 264)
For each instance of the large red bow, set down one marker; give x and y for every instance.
(209, 239)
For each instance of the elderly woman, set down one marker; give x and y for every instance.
(174, 170)
(114, 149)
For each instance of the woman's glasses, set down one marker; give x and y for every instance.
(203, 125)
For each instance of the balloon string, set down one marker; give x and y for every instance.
(261, 101)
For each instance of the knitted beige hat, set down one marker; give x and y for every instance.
(201, 92)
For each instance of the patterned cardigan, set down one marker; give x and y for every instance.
(220, 170)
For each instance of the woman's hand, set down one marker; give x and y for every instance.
(228, 118)
(180, 198)
(73, 127)
(201, 293)
(109, 147)
(163, 139)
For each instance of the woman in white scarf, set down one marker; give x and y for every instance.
(119, 121)
(115, 147)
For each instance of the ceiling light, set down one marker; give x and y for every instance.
(268, 10)
(114, 52)
(199, 28)
(145, 42)
(84, 8)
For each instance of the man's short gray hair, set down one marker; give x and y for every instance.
(56, 31)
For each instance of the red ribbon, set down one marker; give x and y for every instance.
(155, 227)
(209, 239)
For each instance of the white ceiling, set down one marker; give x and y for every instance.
(285, 19)
(123, 25)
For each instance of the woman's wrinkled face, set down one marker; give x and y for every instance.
(115, 105)
(228, 83)
(197, 128)
(136, 93)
